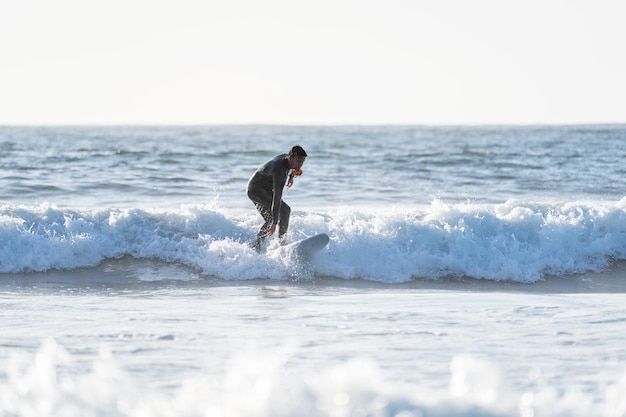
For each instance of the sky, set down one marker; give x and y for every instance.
(311, 62)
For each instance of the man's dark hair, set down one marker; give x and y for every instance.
(297, 151)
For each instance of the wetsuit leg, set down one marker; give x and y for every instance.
(283, 220)
(266, 213)
(262, 200)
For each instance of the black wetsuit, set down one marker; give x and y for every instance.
(265, 189)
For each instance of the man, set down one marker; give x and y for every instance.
(265, 189)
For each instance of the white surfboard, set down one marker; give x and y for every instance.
(303, 249)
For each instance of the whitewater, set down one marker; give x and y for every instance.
(470, 271)
(511, 241)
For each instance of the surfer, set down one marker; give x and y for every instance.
(265, 189)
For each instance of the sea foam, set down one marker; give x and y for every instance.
(258, 384)
(515, 240)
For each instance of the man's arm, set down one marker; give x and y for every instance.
(276, 202)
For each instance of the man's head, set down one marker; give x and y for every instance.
(296, 157)
(297, 151)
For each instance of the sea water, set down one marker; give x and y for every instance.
(475, 271)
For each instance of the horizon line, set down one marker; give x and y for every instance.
(273, 124)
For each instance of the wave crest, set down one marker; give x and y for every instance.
(519, 241)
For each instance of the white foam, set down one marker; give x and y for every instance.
(258, 383)
(521, 241)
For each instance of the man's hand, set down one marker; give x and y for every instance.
(271, 230)
(295, 173)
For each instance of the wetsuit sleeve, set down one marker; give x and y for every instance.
(278, 185)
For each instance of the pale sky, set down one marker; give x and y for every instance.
(312, 61)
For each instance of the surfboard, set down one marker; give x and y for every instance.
(303, 249)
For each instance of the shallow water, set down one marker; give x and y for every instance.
(120, 342)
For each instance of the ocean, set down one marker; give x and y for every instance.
(471, 271)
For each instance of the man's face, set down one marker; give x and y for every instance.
(296, 162)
